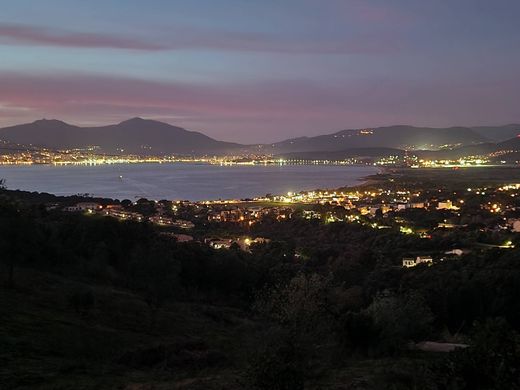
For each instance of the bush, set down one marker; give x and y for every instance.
(82, 301)
(491, 362)
(400, 319)
(279, 366)
(358, 333)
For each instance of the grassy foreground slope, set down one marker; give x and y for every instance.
(89, 302)
(45, 342)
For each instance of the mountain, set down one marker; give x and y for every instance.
(358, 153)
(141, 136)
(136, 135)
(48, 133)
(397, 137)
(508, 151)
(498, 133)
(510, 144)
(460, 152)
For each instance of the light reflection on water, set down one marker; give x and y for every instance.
(179, 180)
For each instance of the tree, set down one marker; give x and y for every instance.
(277, 365)
(357, 333)
(155, 275)
(82, 301)
(15, 238)
(299, 310)
(399, 319)
(299, 305)
(126, 203)
(492, 360)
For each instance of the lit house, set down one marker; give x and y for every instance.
(160, 220)
(245, 242)
(447, 205)
(456, 252)
(183, 224)
(84, 206)
(515, 225)
(411, 262)
(217, 243)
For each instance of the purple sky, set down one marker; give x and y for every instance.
(261, 71)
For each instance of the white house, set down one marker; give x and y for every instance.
(447, 205)
(411, 262)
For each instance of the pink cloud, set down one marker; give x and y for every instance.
(20, 34)
(367, 43)
(259, 111)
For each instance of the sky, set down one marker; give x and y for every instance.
(256, 71)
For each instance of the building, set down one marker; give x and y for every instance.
(456, 252)
(84, 206)
(424, 259)
(411, 262)
(160, 220)
(373, 210)
(120, 213)
(445, 225)
(515, 225)
(446, 205)
(183, 224)
(311, 214)
(234, 215)
(218, 243)
(245, 242)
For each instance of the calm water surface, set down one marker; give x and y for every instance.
(179, 180)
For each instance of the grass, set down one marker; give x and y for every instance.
(45, 344)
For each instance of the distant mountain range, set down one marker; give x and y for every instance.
(508, 151)
(141, 136)
(137, 136)
(398, 137)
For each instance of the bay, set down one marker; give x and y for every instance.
(179, 181)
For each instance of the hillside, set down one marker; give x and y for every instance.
(343, 154)
(498, 133)
(140, 136)
(132, 136)
(508, 150)
(92, 302)
(399, 137)
(11, 148)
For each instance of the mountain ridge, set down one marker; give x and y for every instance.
(508, 150)
(397, 136)
(135, 135)
(145, 136)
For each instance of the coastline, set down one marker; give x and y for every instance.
(187, 181)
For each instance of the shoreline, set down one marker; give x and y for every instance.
(382, 176)
(188, 181)
(201, 162)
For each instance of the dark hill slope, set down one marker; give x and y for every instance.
(398, 137)
(498, 133)
(133, 136)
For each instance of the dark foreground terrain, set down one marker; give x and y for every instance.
(89, 302)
